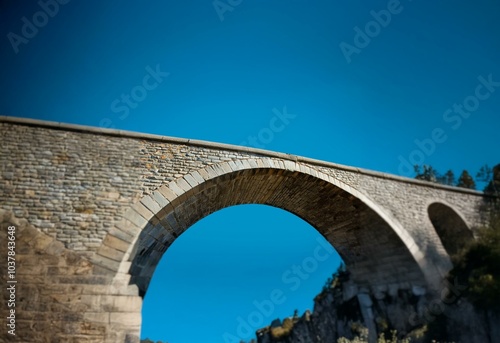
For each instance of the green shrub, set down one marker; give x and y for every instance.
(478, 266)
(284, 330)
(363, 337)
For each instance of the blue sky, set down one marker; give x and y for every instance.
(350, 84)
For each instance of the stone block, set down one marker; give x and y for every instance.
(55, 248)
(124, 290)
(151, 205)
(124, 303)
(128, 227)
(178, 191)
(191, 180)
(84, 280)
(111, 253)
(125, 318)
(167, 193)
(41, 242)
(145, 212)
(124, 267)
(183, 184)
(160, 199)
(226, 168)
(122, 235)
(105, 262)
(116, 243)
(197, 177)
(135, 218)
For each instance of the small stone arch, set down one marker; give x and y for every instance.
(450, 227)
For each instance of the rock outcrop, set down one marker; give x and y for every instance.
(342, 309)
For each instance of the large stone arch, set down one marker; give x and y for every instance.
(378, 251)
(366, 238)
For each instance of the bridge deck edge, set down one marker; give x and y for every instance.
(224, 146)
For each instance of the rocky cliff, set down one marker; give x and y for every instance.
(342, 309)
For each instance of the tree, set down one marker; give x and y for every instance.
(493, 187)
(484, 174)
(466, 181)
(478, 266)
(447, 179)
(426, 173)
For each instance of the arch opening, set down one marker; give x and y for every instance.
(369, 246)
(251, 261)
(450, 227)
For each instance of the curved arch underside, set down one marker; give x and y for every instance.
(368, 245)
(450, 227)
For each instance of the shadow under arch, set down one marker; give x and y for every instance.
(450, 227)
(376, 252)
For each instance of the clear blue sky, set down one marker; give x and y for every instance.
(356, 92)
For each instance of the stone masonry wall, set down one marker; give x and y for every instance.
(69, 189)
(74, 185)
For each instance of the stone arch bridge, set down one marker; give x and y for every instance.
(95, 209)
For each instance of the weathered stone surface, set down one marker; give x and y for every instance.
(420, 317)
(91, 205)
(49, 304)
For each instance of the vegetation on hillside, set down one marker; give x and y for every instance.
(489, 176)
(465, 180)
(362, 337)
(478, 265)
